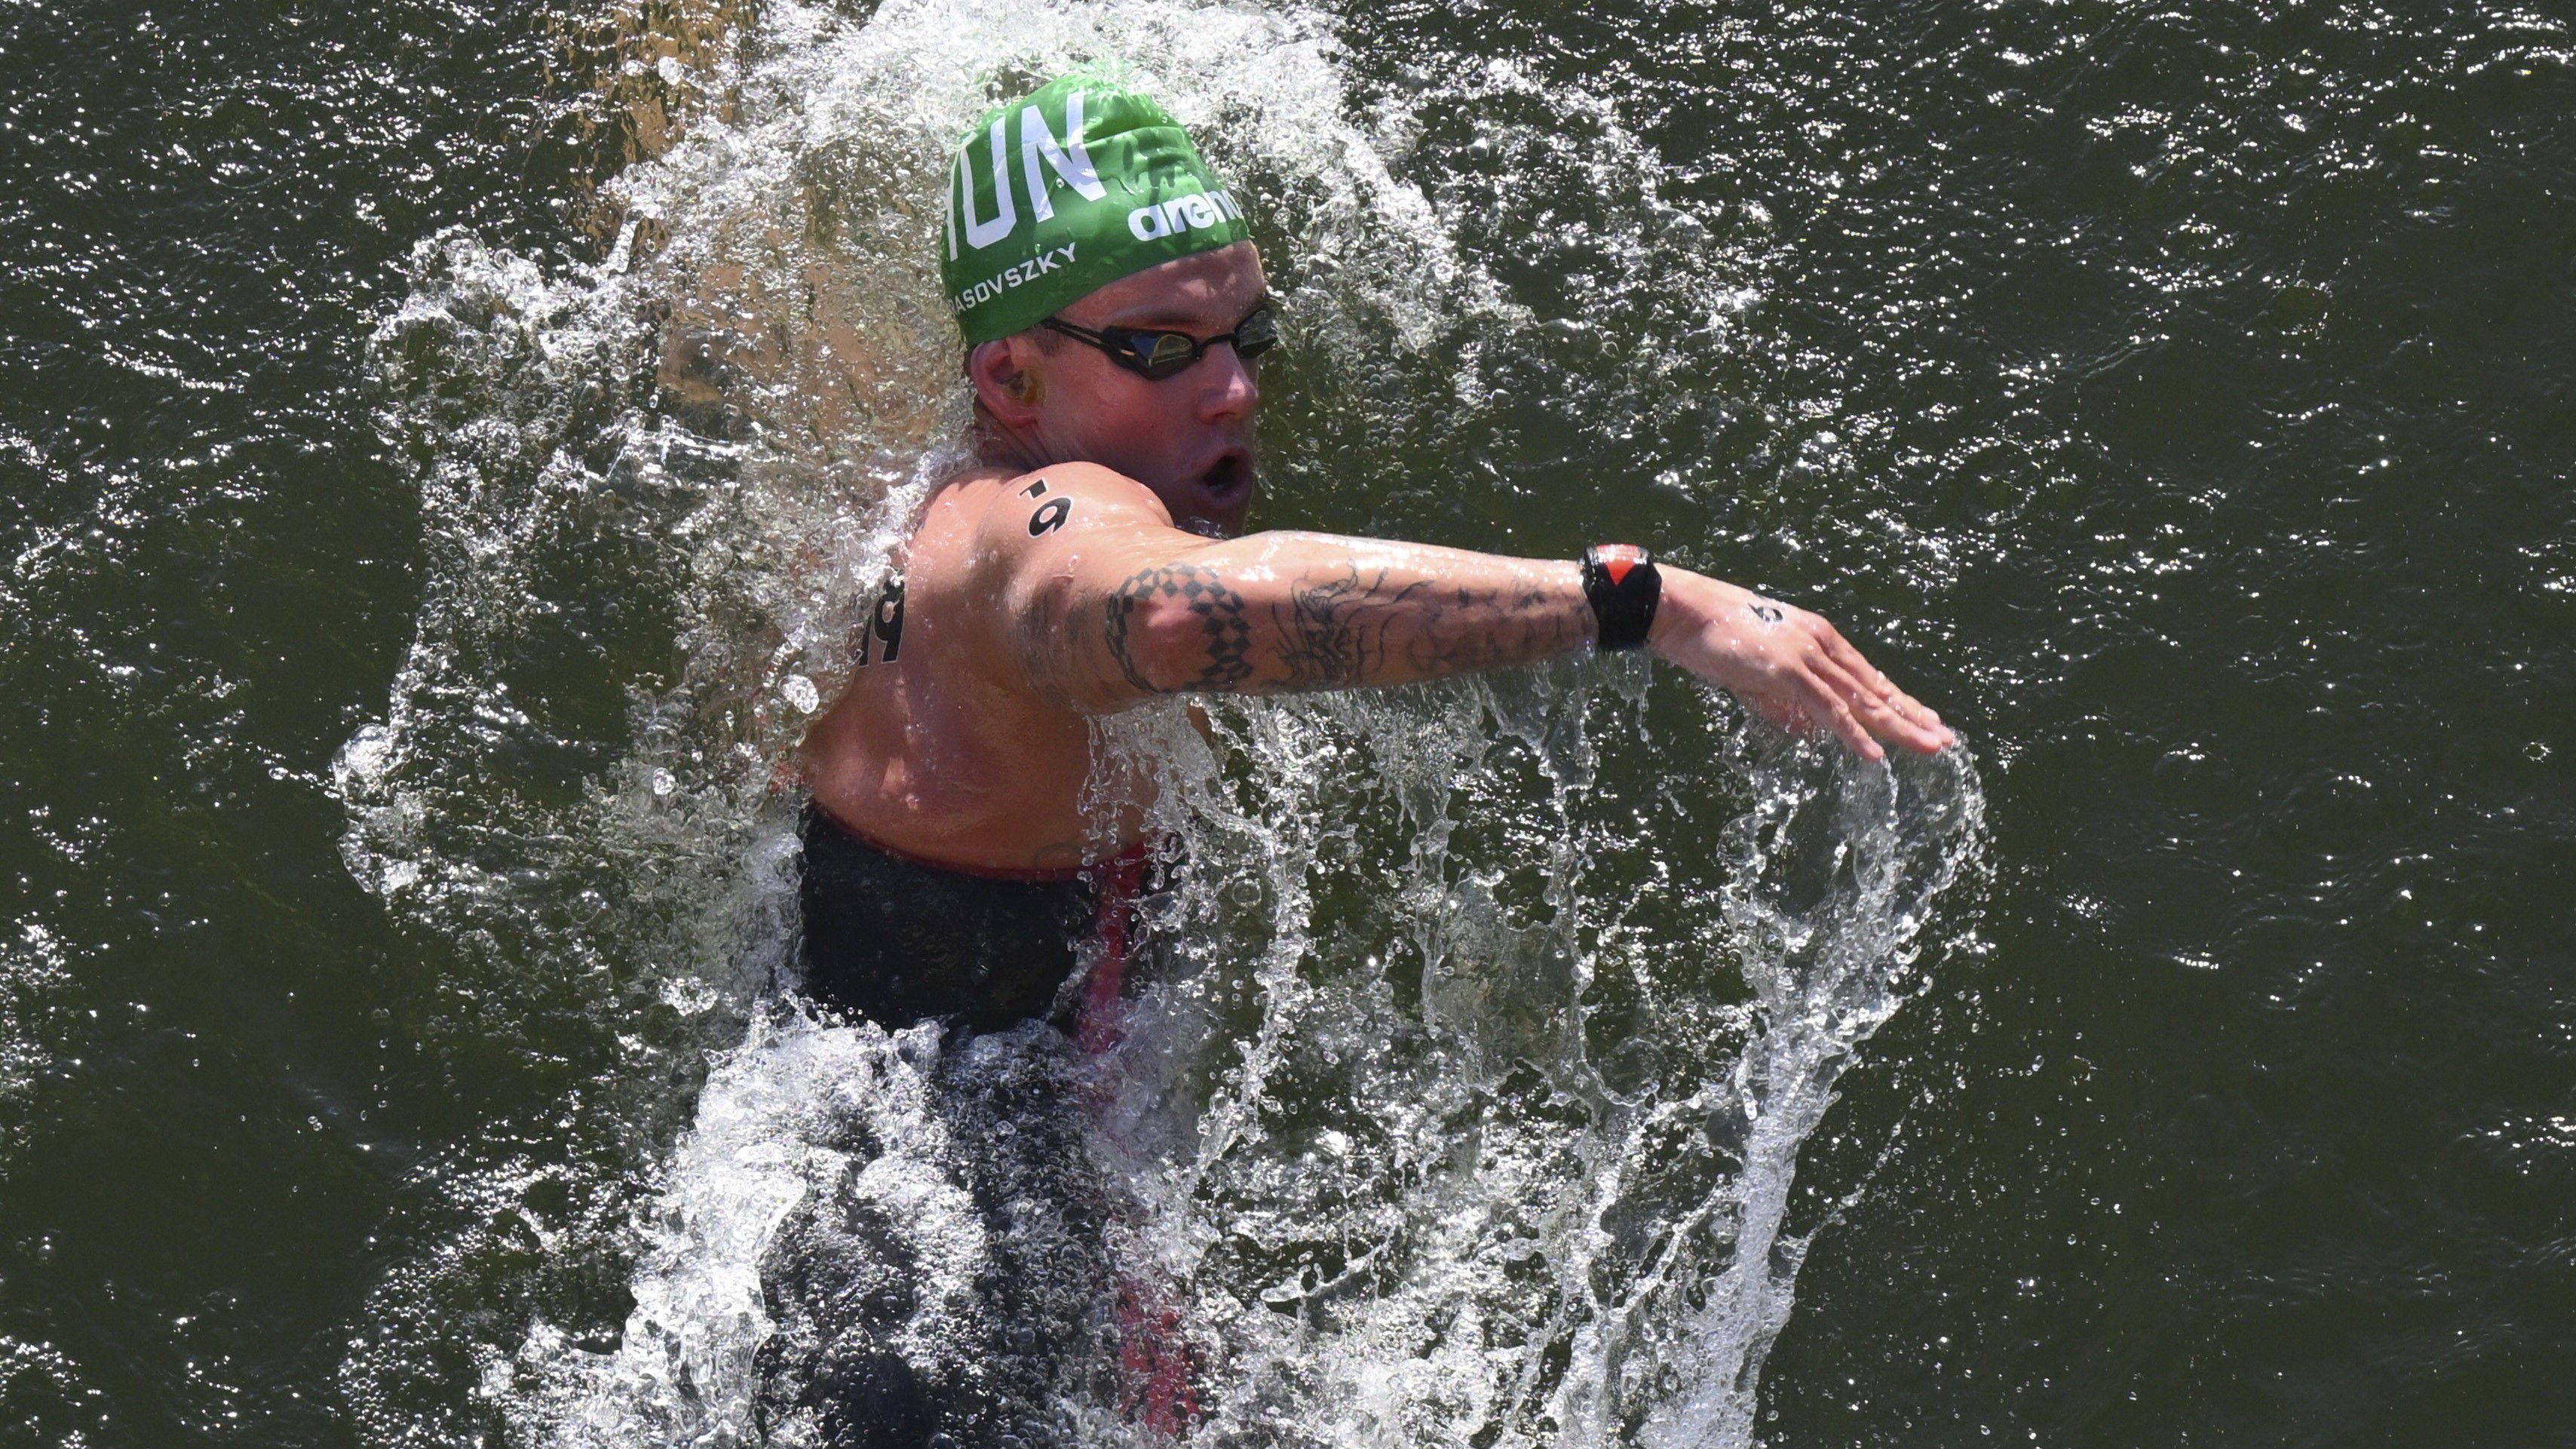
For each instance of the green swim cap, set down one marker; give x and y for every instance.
(1057, 195)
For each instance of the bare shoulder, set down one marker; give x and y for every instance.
(1037, 507)
(1050, 544)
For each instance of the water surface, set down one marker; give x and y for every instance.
(440, 444)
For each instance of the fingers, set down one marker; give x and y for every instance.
(1922, 718)
(1835, 691)
(1877, 708)
(1878, 685)
(1911, 722)
(1839, 650)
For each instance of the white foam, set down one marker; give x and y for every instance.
(1416, 1124)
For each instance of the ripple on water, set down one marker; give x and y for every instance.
(1356, 1140)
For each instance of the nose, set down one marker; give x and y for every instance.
(1228, 391)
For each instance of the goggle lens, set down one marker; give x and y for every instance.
(1159, 355)
(1256, 334)
(1166, 353)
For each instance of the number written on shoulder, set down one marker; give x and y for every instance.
(885, 623)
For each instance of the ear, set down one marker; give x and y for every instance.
(1006, 380)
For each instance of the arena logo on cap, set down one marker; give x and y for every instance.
(1183, 213)
(1097, 163)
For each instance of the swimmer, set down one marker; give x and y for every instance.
(1093, 557)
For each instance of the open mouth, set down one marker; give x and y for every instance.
(1229, 474)
(1224, 494)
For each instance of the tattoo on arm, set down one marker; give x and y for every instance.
(1494, 628)
(1340, 625)
(1332, 634)
(1220, 613)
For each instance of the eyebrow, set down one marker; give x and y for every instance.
(1174, 321)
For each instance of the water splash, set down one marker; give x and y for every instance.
(1445, 1117)
(1830, 879)
(1465, 1212)
(33, 975)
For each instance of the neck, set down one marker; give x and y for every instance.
(1000, 447)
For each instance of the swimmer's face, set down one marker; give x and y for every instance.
(1188, 437)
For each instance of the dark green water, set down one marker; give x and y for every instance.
(2177, 399)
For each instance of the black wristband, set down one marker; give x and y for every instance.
(1621, 585)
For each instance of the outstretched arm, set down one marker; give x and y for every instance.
(1110, 604)
(1295, 611)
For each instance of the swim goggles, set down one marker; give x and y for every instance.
(1151, 352)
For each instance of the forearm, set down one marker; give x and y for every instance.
(1105, 624)
(1280, 612)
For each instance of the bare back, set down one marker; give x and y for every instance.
(950, 750)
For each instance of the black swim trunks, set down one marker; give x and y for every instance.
(1053, 1320)
(899, 940)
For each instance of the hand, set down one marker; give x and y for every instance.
(1789, 665)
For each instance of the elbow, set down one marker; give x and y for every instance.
(1175, 636)
(1149, 641)
(1102, 653)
